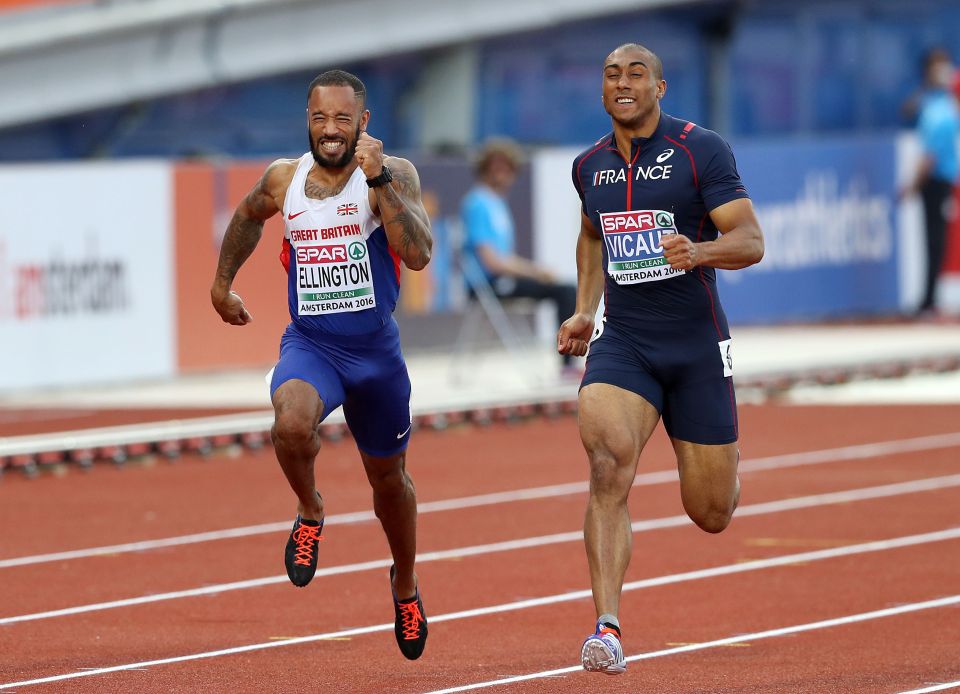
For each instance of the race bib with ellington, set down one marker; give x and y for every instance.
(328, 240)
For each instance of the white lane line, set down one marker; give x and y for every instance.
(934, 688)
(866, 493)
(928, 484)
(802, 557)
(284, 526)
(739, 638)
(854, 452)
(844, 453)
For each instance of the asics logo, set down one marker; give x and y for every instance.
(664, 155)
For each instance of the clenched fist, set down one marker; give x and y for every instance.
(369, 155)
(679, 251)
(230, 307)
(575, 334)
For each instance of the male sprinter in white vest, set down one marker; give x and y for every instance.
(352, 215)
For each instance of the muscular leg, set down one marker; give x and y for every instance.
(296, 440)
(395, 503)
(614, 427)
(709, 486)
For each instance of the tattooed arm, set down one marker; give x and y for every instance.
(398, 203)
(404, 218)
(243, 234)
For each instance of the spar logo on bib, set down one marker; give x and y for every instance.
(313, 255)
(634, 251)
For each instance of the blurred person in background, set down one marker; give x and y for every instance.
(938, 126)
(489, 238)
(662, 206)
(910, 108)
(351, 214)
(435, 285)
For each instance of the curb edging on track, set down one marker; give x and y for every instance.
(82, 448)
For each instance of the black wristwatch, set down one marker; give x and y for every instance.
(383, 179)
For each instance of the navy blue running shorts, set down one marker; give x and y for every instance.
(364, 373)
(684, 371)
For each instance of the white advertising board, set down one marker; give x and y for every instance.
(85, 274)
(556, 211)
(556, 217)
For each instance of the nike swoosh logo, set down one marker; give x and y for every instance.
(404, 432)
(293, 215)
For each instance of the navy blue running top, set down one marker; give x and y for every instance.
(672, 181)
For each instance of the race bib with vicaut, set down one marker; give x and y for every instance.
(634, 251)
(334, 277)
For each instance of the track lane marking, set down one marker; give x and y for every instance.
(844, 453)
(803, 557)
(763, 508)
(730, 640)
(934, 688)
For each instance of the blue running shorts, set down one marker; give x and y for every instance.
(683, 370)
(364, 373)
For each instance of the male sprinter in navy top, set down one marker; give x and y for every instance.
(663, 206)
(351, 215)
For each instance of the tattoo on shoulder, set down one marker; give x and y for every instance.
(259, 200)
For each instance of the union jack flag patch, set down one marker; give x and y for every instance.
(347, 208)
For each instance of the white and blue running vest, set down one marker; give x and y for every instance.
(343, 277)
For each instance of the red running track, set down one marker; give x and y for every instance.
(531, 603)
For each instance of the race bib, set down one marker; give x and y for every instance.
(334, 278)
(726, 356)
(634, 252)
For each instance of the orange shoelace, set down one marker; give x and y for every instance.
(306, 536)
(410, 613)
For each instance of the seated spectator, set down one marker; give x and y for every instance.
(489, 236)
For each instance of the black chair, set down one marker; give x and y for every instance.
(510, 318)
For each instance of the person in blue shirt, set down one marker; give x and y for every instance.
(662, 207)
(938, 127)
(489, 244)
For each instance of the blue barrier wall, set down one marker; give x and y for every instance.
(827, 211)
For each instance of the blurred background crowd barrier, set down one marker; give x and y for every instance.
(130, 129)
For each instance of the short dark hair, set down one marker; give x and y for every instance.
(498, 147)
(340, 78)
(932, 56)
(656, 68)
